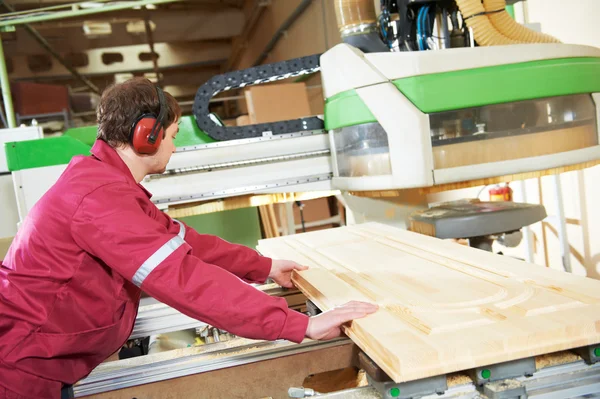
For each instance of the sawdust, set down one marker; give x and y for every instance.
(510, 384)
(218, 355)
(555, 359)
(456, 379)
(174, 354)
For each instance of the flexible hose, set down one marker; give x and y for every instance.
(508, 27)
(484, 32)
(351, 13)
(503, 31)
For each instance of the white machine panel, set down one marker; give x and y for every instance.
(9, 213)
(344, 67)
(31, 184)
(415, 63)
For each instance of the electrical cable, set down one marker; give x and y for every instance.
(419, 34)
(421, 24)
(427, 28)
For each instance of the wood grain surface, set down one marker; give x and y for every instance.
(443, 307)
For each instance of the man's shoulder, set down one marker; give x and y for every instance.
(92, 171)
(86, 174)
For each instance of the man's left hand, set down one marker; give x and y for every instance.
(281, 272)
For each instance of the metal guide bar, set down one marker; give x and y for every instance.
(247, 189)
(249, 77)
(266, 137)
(201, 363)
(234, 164)
(160, 318)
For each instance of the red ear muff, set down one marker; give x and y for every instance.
(147, 131)
(142, 139)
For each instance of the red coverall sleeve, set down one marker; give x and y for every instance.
(110, 224)
(240, 260)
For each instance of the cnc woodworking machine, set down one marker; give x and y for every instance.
(394, 121)
(397, 117)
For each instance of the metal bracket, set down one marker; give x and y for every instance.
(502, 371)
(311, 308)
(412, 389)
(389, 389)
(591, 354)
(505, 389)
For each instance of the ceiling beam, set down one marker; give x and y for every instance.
(10, 20)
(180, 83)
(127, 59)
(169, 27)
(44, 3)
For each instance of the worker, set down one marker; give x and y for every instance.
(71, 281)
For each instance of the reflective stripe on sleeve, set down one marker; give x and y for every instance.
(159, 256)
(181, 229)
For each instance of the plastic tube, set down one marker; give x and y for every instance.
(504, 31)
(353, 13)
(510, 28)
(485, 33)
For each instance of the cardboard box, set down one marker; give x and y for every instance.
(277, 102)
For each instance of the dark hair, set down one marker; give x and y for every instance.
(121, 104)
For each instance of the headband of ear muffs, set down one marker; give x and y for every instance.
(148, 131)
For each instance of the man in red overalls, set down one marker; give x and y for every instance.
(70, 284)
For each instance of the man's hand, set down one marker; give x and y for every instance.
(328, 325)
(281, 272)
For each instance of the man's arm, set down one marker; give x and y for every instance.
(111, 225)
(240, 260)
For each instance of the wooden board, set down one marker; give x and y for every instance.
(514, 147)
(443, 307)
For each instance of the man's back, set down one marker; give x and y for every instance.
(56, 299)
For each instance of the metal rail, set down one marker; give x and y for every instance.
(98, 382)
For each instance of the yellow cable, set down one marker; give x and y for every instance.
(484, 32)
(510, 28)
(497, 28)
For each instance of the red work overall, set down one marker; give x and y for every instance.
(71, 281)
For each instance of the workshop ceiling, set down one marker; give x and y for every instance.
(191, 41)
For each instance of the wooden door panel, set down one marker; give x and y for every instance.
(443, 307)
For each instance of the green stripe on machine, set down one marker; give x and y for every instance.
(190, 134)
(476, 87)
(78, 141)
(501, 84)
(346, 109)
(85, 134)
(43, 152)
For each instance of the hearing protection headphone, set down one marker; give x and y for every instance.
(148, 131)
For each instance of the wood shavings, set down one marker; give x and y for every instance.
(456, 379)
(173, 354)
(555, 359)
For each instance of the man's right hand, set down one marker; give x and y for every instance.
(328, 325)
